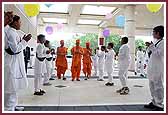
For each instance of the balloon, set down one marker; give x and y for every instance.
(154, 7)
(106, 32)
(48, 5)
(120, 21)
(49, 30)
(60, 26)
(108, 16)
(32, 9)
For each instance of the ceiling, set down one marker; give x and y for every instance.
(89, 18)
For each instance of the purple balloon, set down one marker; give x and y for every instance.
(49, 30)
(106, 32)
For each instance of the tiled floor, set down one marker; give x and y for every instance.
(90, 95)
(82, 93)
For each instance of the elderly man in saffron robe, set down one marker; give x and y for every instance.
(77, 52)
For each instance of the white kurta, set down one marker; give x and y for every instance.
(155, 73)
(48, 63)
(14, 66)
(53, 64)
(124, 57)
(109, 64)
(95, 63)
(140, 62)
(32, 57)
(101, 61)
(156, 62)
(95, 60)
(40, 51)
(123, 63)
(48, 66)
(109, 61)
(39, 67)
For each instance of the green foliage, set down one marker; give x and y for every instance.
(93, 39)
(115, 39)
(138, 43)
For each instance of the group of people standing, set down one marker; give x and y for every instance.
(15, 74)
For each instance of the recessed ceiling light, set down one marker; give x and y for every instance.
(54, 20)
(93, 22)
(136, 13)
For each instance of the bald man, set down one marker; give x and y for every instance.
(77, 53)
(61, 61)
(87, 62)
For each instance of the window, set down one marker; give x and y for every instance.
(60, 8)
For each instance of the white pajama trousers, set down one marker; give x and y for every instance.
(38, 82)
(110, 77)
(157, 92)
(47, 76)
(101, 73)
(10, 101)
(123, 77)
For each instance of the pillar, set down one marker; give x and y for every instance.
(129, 31)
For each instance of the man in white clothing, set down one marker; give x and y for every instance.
(155, 71)
(14, 68)
(109, 63)
(124, 61)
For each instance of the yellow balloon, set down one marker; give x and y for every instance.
(32, 9)
(154, 7)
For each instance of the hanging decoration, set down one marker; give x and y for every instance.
(49, 30)
(120, 21)
(154, 7)
(48, 5)
(32, 9)
(108, 16)
(106, 32)
(59, 26)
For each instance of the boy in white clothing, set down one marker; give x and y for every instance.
(38, 71)
(48, 64)
(95, 61)
(101, 59)
(53, 64)
(109, 63)
(31, 58)
(124, 61)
